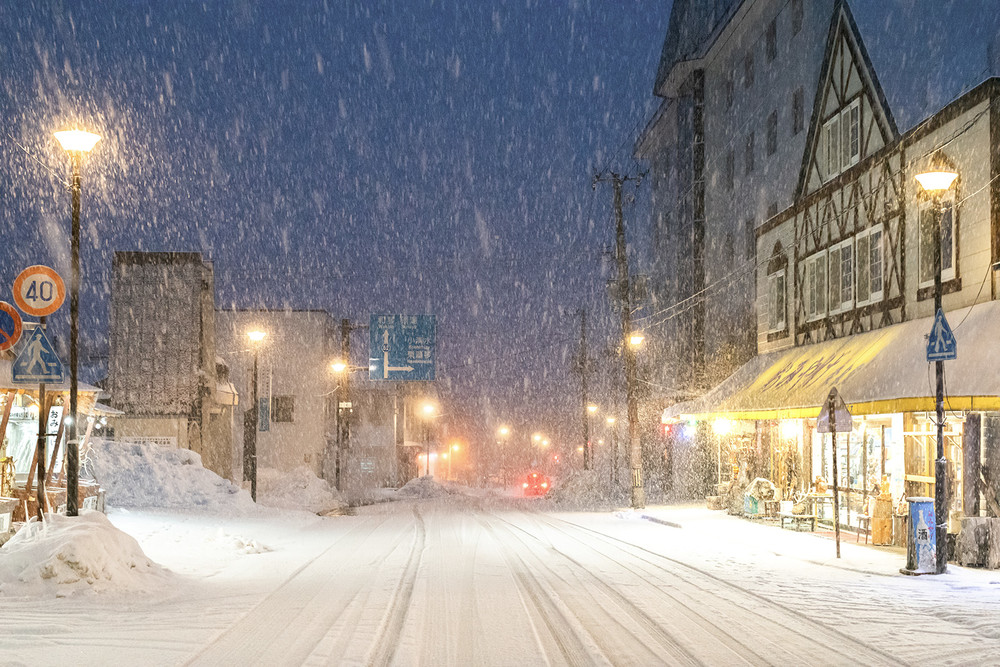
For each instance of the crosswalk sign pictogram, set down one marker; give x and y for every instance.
(37, 361)
(941, 345)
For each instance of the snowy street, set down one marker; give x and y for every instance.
(464, 579)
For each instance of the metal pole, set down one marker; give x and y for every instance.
(256, 425)
(72, 448)
(940, 506)
(343, 395)
(583, 384)
(427, 449)
(836, 487)
(43, 420)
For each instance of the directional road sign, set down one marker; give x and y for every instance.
(10, 325)
(401, 347)
(39, 291)
(37, 361)
(941, 344)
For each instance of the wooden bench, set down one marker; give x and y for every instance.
(797, 520)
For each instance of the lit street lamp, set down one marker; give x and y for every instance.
(935, 183)
(250, 445)
(76, 143)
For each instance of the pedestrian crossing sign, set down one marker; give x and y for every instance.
(941, 345)
(37, 361)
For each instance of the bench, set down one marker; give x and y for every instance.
(797, 520)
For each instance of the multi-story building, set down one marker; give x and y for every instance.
(737, 80)
(162, 371)
(846, 289)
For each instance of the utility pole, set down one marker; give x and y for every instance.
(582, 368)
(631, 365)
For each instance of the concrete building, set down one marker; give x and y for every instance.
(162, 371)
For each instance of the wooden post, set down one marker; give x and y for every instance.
(55, 449)
(836, 489)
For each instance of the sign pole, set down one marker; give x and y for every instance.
(43, 419)
(836, 487)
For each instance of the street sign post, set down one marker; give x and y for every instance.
(37, 361)
(39, 291)
(833, 418)
(401, 347)
(10, 326)
(941, 345)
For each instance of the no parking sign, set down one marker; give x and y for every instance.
(10, 325)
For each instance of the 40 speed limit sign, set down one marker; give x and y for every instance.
(39, 291)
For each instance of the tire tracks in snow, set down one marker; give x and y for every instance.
(847, 648)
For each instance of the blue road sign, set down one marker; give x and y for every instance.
(401, 347)
(941, 344)
(37, 361)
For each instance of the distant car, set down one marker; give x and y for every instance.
(536, 484)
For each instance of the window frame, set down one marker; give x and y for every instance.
(771, 41)
(748, 153)
(798, 111)
(771, 142)
(812, 290)
(840, 133)
(872, 296)
(845, 298)
(283, 409)
(777, 285)
(951, 272)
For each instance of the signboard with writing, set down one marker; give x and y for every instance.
(401, 347)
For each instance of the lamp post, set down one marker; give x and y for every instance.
(428, 410)
(250, 445)
(588, 448)
(76, 143)
(503, 432)
(936, 182)
(614, 449)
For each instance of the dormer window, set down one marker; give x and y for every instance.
(842, 139)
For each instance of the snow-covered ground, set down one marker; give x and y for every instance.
(442, 574)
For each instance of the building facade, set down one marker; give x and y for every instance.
(162, 370)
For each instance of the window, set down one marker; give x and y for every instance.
(776, 301)
(815, 286)
(750, 235)
(772, 133)
(842, 139)
(749, 153)
(728, 91)
(798, 111)
(797, 11)
(283, 409)
(748, 70)
(771, 41)
(870, 265)
(841, 276)
(730, 175)
(927, 232)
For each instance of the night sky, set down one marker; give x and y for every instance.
(367, 157)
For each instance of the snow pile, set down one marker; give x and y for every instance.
(585, 489)
(423, 487)
(148, 475)
(300, 489)
(71, 554)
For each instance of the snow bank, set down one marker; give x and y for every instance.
(422, 487)
(300, 489)
(138, 475)
(71, 554)
(584, 489)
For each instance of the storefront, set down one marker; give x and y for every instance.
(771, 405)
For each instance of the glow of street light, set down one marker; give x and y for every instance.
(537, 437)
(455, 448)
(591, 408)
(77, 141)
(611, 420)
(256, 336)
(428, 409)
(545, 442)
(504, 431)
(636, 339)
(338, 366)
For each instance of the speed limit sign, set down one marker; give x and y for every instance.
(39, 291)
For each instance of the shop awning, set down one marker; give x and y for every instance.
(879, 372)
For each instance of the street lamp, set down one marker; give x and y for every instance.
(614, 448)
(250, 445)
(588, 451)
(636, 338)
(935, 182)
(76, 143)
(502, 433)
